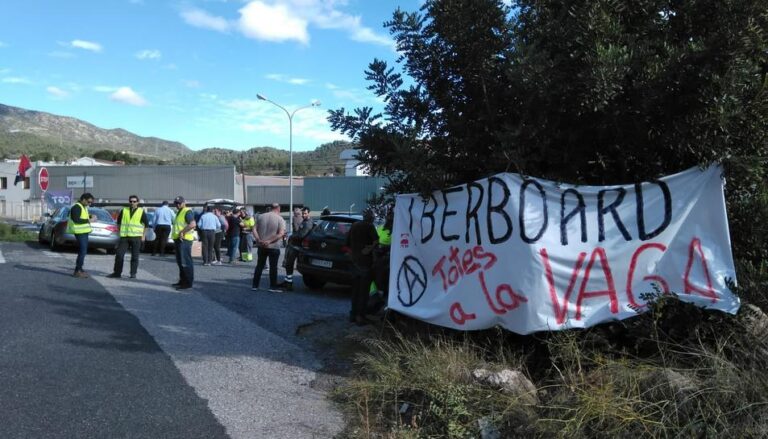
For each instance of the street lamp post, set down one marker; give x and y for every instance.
(290, 150)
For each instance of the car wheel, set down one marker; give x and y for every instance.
(52, 242)
(112, 251)
(312, 282)
(40, 238)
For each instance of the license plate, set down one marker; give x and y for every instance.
(321, 263)
(101, 232)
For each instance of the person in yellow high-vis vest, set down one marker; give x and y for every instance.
(380, 284)
(133, 224)
(79, 224)
(183, 235)
(246, 235)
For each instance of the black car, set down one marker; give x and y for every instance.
(324, 256)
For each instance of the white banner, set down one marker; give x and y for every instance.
(534, 255)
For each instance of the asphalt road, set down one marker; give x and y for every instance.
(134, 358)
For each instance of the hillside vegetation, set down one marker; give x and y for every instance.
(599, 92)
(48, 137)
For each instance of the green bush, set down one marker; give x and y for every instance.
(675, 371)
(11, 233)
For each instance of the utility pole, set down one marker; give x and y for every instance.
(242, 174)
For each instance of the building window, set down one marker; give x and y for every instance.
(26, 182)
(3, 182)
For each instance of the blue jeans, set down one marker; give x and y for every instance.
(82, 250)
(184, 261)
(234, 247)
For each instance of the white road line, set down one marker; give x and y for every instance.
(52, 254)
(2, 259)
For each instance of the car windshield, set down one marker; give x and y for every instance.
(333, 228)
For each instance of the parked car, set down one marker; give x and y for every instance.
(324, 256)
(105, 233)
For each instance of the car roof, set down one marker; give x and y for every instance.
(344, 217)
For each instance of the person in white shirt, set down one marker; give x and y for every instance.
(161, 223)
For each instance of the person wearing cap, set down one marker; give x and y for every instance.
(162, 223)
(183, 227)
(133, 224)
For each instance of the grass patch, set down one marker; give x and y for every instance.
(13, 234)
(676, 371)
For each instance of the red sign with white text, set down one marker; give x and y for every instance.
(42, 179)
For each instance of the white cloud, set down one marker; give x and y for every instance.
(200, 18)
(191, 83)
(86, 45)
(289, 20)
(261, 21)
(57, 92)
(128, 96)
(16, 80)
(279, 77)
(149, 54)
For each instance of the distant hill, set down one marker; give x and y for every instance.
(62, 137)
(44, 136)
(268, 160)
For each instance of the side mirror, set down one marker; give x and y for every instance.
(47, 214)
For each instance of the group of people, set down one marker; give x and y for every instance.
(369, 245)
(239, 226)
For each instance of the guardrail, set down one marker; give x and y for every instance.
(20, 210)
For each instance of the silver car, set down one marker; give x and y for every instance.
(105, 234)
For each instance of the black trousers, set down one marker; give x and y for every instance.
(207, 236)
(289, 262)
(135, 245)
(217, 245)
(361, 290)
(162, 233)
(263, 253)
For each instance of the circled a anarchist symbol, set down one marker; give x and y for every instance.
(411, 281)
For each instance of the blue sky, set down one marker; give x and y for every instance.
(190, 71)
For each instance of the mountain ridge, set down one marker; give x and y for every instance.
(45, 136)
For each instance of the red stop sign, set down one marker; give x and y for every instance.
(42, 178)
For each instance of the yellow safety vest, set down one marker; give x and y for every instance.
(131, 227)
(80, 229)
(385, 236)
(248, 224)
(179, 224)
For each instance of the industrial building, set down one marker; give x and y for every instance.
(111, 186)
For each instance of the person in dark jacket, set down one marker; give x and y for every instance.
(362, 239)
